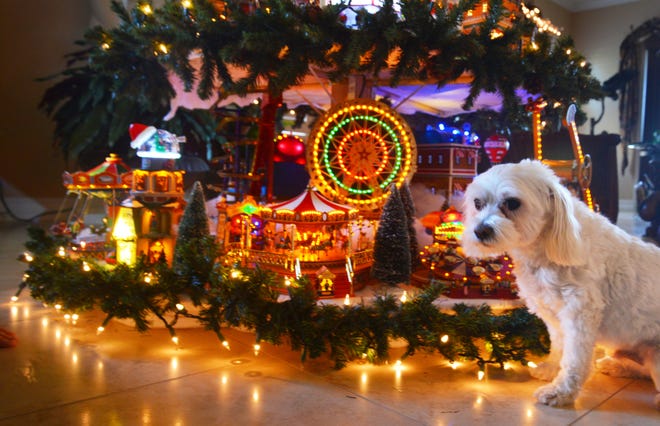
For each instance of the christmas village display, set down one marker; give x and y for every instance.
(269, 262)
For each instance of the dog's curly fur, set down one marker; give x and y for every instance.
(588, 280)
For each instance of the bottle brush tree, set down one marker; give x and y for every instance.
(195, 251)
(392, 243)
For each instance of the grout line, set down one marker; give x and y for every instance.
(594, 408)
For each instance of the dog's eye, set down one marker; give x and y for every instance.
(511, 204)
(478, 204)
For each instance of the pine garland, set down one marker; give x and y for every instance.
(233, 296)
(120, 75)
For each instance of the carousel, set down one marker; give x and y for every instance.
(314, 236)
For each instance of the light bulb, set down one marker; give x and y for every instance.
(480, 375)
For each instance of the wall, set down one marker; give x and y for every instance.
(598, 34)
(34, 36)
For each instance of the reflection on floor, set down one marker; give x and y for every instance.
(63, 373)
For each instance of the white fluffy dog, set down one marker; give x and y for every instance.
(588, 280)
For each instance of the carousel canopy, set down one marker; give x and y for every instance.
(310, 206)
(113, 173)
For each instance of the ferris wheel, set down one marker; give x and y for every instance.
(357, 150)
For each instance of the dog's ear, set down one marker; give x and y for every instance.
(563, 244)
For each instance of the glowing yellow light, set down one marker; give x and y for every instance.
(186, 4)
(454, 365)
(255, 395)
(100, 329)
(67, 316)
(235, 274)
(86, 267)
(180, 307)
(480, 375)
(146, 9)
(532, 364)
(568, 51)
(26, 276)
(583, 64)
(148, 277)
(67, 341)
(404, 296)
(14, 298)
(58, 306)
(175, 340)
(61, 252)
(44, 322)
(444, 339)
(347, 300)
(105, 46)
(507, 366)
(225, 344)
(163, 48)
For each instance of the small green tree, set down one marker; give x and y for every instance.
(409, 208)
(392, 243)
(195, 251)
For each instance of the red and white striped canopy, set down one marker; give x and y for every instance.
(310, 206)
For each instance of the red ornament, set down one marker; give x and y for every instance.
(289, 148)
(496, 148)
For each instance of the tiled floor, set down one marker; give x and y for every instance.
(64, 374)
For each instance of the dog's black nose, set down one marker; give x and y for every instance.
(484, 232)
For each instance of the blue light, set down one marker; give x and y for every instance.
(441, 126)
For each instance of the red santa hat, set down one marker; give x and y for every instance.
(140, 133)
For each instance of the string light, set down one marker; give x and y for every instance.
(532, 364)
(61, 252)
(100, 329)
(404, 296)
(347, 300)
(180, 307)
(146, 9)
(86, 267)
(58, 306)
(444, 339)
(14, 298)
(175, 340)
(187, 4)
(541, 24)
(480, 375)
(225, 344)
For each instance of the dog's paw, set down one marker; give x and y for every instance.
(554, 396)
(610, 366)
(545, 371)
(620, 367)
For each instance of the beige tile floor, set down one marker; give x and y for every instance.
(64, 374)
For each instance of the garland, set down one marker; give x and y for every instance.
(226, 296)
(121, 74)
